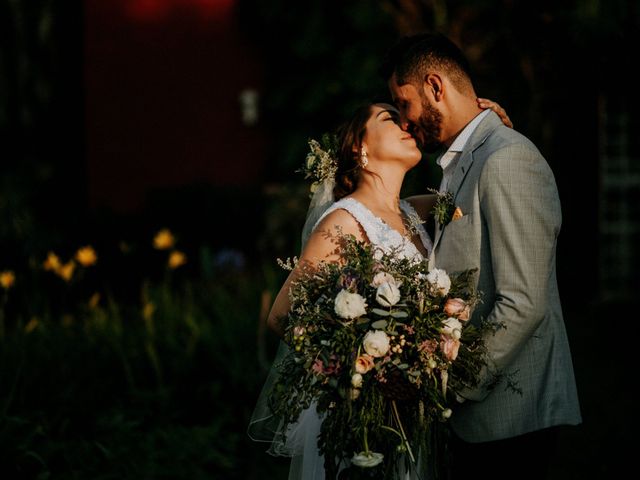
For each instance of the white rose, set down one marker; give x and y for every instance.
(440, 281)
(452, 327)
(356, 380)
(388, 294)
(349, 305)
(376, 343)
(367, 459)
(384, 277)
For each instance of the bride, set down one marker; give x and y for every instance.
(374, 154)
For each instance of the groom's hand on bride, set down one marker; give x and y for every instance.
(485, 103)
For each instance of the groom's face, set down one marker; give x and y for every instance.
(418, 116)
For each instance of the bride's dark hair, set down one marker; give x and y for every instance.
(350, 135)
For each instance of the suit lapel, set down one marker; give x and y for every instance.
(478, 137)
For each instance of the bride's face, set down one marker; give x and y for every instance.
(384, 140)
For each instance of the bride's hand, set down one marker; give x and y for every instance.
(485, 103)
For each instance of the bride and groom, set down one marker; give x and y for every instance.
(506, 223)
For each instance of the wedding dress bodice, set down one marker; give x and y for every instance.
(380, 233)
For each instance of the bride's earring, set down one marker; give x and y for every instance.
(364, 160)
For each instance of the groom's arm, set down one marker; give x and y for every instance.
(423, 204)
(519, 203)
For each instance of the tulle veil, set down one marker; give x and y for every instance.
(298, 441)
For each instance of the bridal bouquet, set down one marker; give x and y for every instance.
(380, 344)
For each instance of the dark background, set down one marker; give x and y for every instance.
(118, 118)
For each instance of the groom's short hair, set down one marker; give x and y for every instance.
(412, 57)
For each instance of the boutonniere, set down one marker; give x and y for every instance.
(444, 210)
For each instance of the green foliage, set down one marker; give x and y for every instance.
(321, 61)
(116, 390)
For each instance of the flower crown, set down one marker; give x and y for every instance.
(320, 163)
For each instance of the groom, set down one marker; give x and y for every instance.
(506, 224)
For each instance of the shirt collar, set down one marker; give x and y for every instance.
(461, 140)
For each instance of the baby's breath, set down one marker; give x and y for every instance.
(320, 163)
(287, 264)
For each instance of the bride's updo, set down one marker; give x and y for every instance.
(350, 136)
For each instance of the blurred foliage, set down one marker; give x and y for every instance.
(42, 174)
(321, 61)
(96, 384)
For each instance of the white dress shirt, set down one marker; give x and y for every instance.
(449, 159)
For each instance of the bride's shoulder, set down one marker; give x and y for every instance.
(323, 242)
(338, 220)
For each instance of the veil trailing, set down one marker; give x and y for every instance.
(264, 425)
(321, 200)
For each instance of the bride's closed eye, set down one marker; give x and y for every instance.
(393, 118)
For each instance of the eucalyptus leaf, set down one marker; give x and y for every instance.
(403, 366)
(380, 312)
(399, 314)
(380, 324)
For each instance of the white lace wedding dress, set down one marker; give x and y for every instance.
(301, 440)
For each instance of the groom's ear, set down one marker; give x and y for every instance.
(433, 86)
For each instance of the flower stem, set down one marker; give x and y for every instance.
(366, 444)
(394, 408)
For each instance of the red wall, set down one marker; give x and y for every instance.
(162, 80)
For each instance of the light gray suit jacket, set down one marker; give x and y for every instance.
(510, 225)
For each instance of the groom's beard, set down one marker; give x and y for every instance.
(430, 126)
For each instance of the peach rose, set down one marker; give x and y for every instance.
(449, 347)
(456, 307)
(364, 363)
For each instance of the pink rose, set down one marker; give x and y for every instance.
(428, 346)
(449, 347)
(317, 366)
(364, 363)
(456, 307)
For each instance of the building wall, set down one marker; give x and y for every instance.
(163, 108)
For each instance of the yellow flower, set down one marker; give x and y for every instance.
(176, 259)
(32, 325)
(86, 256)
(52, 262)
(147, 311)
(94, 300)
(7, 279)
(163, 240)
(66, 271)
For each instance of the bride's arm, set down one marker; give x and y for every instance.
(321, 246)
(502, 113)
(423, 204)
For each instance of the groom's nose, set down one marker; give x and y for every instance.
(404, 122)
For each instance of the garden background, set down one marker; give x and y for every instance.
(147, 185)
